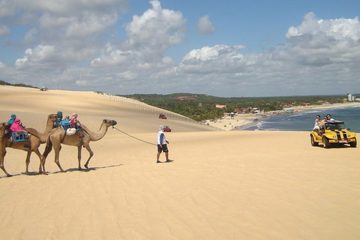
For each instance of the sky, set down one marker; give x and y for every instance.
(234, 48)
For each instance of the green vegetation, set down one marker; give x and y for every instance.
(200, 107)
(16, 84)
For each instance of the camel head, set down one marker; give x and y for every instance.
(109, 123)
(52, 117)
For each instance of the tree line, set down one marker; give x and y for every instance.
(201, 107)
(15, 84)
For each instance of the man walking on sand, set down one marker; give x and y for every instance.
(162, 145)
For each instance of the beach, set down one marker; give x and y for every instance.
(228, 123)
(220, 185)
(238, 121)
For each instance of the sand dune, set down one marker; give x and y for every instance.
(221, 185)
(32, 106)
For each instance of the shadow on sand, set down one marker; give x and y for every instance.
(68, 170)
(87, 169)
(333, 146)
(168, 161)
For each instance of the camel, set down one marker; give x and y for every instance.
(2, 148)
(58, 136)
(32, 145)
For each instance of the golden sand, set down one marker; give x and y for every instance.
(221, 185)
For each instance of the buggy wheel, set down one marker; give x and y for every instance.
(353, 144)
(326, 142)
(313, 143)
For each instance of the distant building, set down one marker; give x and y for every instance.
(184, 98)
(255, 110)
(248, 110)
(351, 98)
(220, 106)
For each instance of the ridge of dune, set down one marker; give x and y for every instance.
(33, 106)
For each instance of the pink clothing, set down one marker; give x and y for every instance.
(17, 126)
(73, 120)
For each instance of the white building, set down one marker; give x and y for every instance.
(350, 97)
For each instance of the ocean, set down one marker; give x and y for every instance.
(304, 121)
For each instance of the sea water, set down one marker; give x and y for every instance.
(304, 121)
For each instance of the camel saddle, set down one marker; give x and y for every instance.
(19, 137)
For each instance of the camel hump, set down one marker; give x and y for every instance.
(33, 131)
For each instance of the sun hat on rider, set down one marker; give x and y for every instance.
(12, 119)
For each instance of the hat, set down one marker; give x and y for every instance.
(13, 116)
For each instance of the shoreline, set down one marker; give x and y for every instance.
(240, 121)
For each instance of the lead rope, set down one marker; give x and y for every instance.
(134, 137)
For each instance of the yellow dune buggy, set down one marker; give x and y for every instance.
(333, 133)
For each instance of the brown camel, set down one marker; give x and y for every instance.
(32, 145)
(2, 148)
(57, 137)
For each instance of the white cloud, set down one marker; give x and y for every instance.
(70, 51)
(42, 54)
(7, 8)
(81, 82)
(205, 26)
(338, 29)
(56, 22)
(3, 30)
(149, 36)
(211, 53)
(318, 42)
(318, 52)
(60, 8)
(116, 57)
(62, 33)
(85, 24)
(156, 30)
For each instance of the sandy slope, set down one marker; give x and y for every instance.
(33, 106)
(222, 185)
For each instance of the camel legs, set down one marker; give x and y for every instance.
(28, 161)
(3, 168)
(79, 156)
(91, 155)
(2, 163)
(41, 166)
(45, 154)
(57, 149)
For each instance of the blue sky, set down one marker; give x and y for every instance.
(258, 24)
(225, 48)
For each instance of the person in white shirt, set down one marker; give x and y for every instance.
(162, 145)
(317, 123)
(329, 118)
